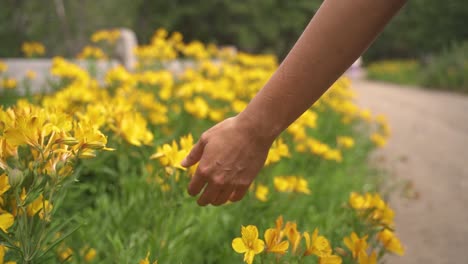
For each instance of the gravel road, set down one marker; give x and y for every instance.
(429, 151)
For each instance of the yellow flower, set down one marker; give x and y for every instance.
(170, 155)
(90, 52)
(3, 250)
(6, 221)
(31, 75)
(390, 242)
(345, 142)
(65, 254)
(333, 154)
(38, 205)
(279, 227)
(366, 115)
(238, 106)
(273, 241)
(356, 244)
(317, 245)
(359, 202)
(198, 107)
(90, 255)
(109, 36)
(9, 83)
(277, 151)
(291, 184)
(331, 259)
(31, 49)
(379, 140)
(3, 66)
(365, 259)
(261, 192)
(4, 184)
(133, 128)
(248, 243)
(146, 260)
(294, 236)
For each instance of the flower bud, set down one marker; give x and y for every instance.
(15, 177)
(69, 141)
(94, 145)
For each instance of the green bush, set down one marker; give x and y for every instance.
(448, 70)
(396, 71)
(255, 26)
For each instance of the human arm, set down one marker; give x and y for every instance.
(232, 153)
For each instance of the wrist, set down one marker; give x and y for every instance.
(259, 128)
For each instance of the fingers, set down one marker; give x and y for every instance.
(223, 196)
(238, 194)
(209, 194)
(195, 154)
(198, 180)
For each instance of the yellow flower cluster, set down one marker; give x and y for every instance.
(279, 239)
(108, 109)
(320, 149)
(291, 184)
(379, 214)
(67, 70)
(109, 36)
(393, 66)
(33, 49)
(282, 184)
(65, 253)
(278, 150)
(170, 155)
(153, 105)
(372, 205)
(90, 52)
(146, 260)
(9, 83)
(383, 132)
(359, 249)
(161, 48)
(42, 144)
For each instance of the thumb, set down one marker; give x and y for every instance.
(195, 155)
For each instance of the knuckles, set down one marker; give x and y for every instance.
(203, 171)
(218, 181)
(204, 138)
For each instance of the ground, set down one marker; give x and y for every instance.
(427, 155)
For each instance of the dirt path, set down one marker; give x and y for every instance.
(429, 148)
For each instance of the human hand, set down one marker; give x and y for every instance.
(231, 156)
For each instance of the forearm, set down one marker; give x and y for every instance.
(337, 35)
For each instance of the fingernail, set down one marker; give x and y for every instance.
(184, 162)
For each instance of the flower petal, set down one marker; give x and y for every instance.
(280, 248)
(249, 256)
(6, 221)
(258, 246)
(238, 245)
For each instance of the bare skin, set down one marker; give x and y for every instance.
(232, 153)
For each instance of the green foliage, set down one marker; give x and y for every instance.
(422, 27)
(252, 25)
(449, 69)
(135, 216)
(395, 71)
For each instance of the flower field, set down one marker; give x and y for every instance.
(91, 173)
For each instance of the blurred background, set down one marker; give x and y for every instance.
(424, 46)
(424, 27)
(416, 38)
